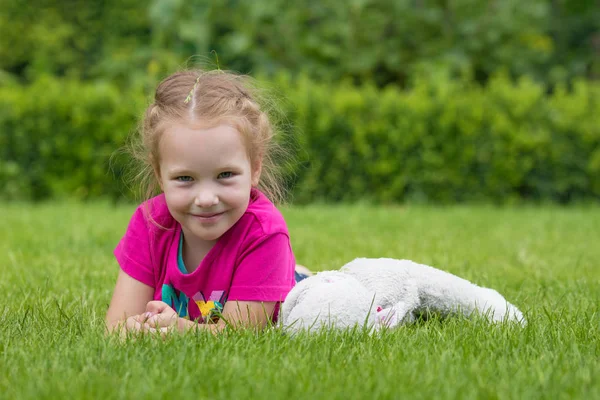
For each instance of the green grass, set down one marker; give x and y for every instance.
(57, 275)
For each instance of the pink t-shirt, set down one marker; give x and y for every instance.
(252, 261)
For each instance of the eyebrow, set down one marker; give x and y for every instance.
(179, 171)
(186, 171)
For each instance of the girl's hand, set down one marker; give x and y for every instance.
(134, 325)
(160, 316)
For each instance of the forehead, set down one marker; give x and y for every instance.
(186, 143)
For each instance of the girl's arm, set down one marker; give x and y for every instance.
(248, 314)
(129, 299)
(238, 314)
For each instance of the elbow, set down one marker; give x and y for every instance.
(110, 327)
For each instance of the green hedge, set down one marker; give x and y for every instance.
(56, 138)
(450, 141)
(441, 141)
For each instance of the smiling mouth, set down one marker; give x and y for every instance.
(208, 216)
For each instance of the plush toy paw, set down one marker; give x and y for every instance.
(386, 317)
(391, 317)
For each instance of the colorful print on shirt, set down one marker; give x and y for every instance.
(209, 308)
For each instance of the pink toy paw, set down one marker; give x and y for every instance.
(387, 317)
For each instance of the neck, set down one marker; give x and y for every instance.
(194, 250)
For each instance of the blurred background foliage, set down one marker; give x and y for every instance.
(389, 100)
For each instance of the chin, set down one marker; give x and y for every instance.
(212, 238)
(209, 237)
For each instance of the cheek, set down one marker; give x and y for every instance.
(175, 199)
(238, 196)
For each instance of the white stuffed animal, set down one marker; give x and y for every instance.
(386, 292)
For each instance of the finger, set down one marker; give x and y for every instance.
(138, 323)
(133, 323)
(162, 332)
(165, 331)
(154, 321)
(160, 320)
(133, 326)
(143, 318)
(156, 307)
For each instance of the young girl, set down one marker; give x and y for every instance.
(211, 249)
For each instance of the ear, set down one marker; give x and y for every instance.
(256, 171)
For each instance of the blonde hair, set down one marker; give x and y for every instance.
(211, 97)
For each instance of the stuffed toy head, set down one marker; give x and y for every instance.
(328, 299)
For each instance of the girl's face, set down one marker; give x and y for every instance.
(206, 176)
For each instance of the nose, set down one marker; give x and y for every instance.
(206, 198)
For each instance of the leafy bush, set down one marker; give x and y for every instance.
(446, 141)
(57, 137)
(440, 141)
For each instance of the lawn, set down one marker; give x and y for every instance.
(58, 273)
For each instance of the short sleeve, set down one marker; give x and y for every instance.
(265, 271)
(133, 251)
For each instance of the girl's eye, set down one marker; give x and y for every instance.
(185, 178)
(225, 175)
